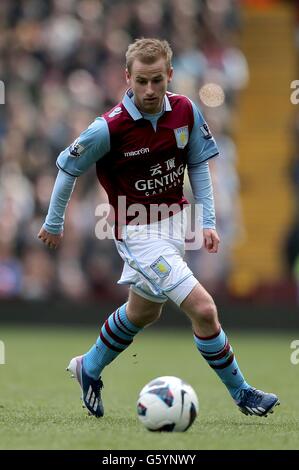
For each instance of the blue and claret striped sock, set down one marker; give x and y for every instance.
(116, 335)
(219, 354)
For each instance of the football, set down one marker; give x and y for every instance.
(167, 404)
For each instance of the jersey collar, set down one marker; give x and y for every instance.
(134, 111)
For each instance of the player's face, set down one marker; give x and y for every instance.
(149, 84)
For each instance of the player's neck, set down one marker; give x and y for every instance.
(157, 114)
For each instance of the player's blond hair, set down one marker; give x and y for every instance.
(148, 50)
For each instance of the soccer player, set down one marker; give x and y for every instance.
(141, 149)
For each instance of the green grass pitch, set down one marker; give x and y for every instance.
(40, 406)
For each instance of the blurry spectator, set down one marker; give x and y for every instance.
(38, 275)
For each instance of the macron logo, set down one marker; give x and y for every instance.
(135, 153)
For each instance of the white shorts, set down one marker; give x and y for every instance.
(153, 256)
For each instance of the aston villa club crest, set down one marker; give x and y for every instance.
(161, 267)
(182, 136)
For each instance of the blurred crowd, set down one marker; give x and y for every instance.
(62, 63)
(291, 248)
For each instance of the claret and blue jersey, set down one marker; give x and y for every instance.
(142, 158)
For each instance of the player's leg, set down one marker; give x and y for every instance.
(142, 312)
(118, 331)
(211, 340)
(213, 344)
(116, 335)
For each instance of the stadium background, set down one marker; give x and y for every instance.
(61, 63)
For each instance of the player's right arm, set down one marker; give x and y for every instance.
(51, 232)
(91, 145)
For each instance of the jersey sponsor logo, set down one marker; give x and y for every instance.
(76, 149)
(181, 136)
(115, 112)
(162, 182)
(206, 131)
(135, 153)
(161, 267)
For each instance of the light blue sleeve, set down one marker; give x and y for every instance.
(61, 194)
(201, 184)
(90, 146)
(202, 145)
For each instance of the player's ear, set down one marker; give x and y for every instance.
(170, 74)
(128, 77)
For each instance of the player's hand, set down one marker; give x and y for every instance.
(211, 240)
(50, 239)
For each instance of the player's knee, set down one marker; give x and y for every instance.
(151, 314)
(204, 312)
(146, 316)
(207, 311)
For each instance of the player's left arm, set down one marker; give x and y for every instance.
(211, 240)
(201, 148)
